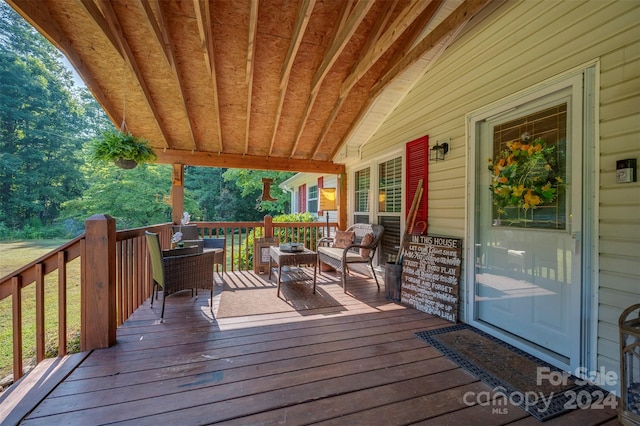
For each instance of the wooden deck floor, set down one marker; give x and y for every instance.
(358, 363)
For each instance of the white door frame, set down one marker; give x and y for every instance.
(587, 245)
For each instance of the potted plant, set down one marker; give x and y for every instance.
(124, 149)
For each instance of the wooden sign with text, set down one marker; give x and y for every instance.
(431, 275)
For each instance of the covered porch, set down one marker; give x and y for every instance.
(358, 362)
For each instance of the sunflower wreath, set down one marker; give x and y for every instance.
(525, 175)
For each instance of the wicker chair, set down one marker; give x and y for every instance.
(178, 270)
(340, 258)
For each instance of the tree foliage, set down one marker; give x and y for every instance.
(41, 117)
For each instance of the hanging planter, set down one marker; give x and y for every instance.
(123, 149)
(125, 164)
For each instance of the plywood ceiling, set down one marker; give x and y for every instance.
(270, 84)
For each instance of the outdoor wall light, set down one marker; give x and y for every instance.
(439, 150)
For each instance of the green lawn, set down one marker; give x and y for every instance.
(13, 256)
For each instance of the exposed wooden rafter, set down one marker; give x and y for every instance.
(160, 29)
(458, 18)
(251, 47)
(304, 13)
(416, 30)
(203, 19)
(340, 41)
(97, 16)
(448, 26)
(383, 18)
(341, 38)
(386, 40)
(125, 51)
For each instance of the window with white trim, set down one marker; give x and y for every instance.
(361, 203)
(390, 186)
(312, 201)
(389, 208)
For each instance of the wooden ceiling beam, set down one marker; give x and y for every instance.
(253, 25)
(304, 13)
(302, 20)
(251, 47)
(376, 31)
(340, 41)
(92, 9)
(130, 60)
(449, 25)
(160, 29)
(203, 19)
(384, 43)
(238, 161)
(416, 30)
(343, 33)
(37, 14)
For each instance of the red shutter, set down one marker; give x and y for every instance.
(302, 198)
(417, 160)
(320, 186)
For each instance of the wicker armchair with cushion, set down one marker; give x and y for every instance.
(358, 244)
(178, 270)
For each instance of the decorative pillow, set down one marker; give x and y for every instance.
(366, 241)
(343, 239)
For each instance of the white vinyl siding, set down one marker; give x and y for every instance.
(519, 45)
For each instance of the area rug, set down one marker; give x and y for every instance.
(257, 295)
(544, 393)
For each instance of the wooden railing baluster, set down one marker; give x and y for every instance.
(62, 303)
(16, 307)
(39, 312)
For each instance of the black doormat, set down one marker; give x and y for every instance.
(513, 372)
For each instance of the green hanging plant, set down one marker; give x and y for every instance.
(122, 148)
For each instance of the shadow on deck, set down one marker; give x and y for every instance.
(352, 360)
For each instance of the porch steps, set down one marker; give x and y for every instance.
(25, 394)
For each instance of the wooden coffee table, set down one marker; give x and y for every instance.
(292, 260)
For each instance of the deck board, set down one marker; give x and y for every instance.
(357, 363)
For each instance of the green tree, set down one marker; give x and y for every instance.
(41, 122)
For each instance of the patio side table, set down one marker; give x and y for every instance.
(292, 260)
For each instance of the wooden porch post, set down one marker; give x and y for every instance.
(268, 226)
(342, 201)
(98, 288)
(177, 193)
